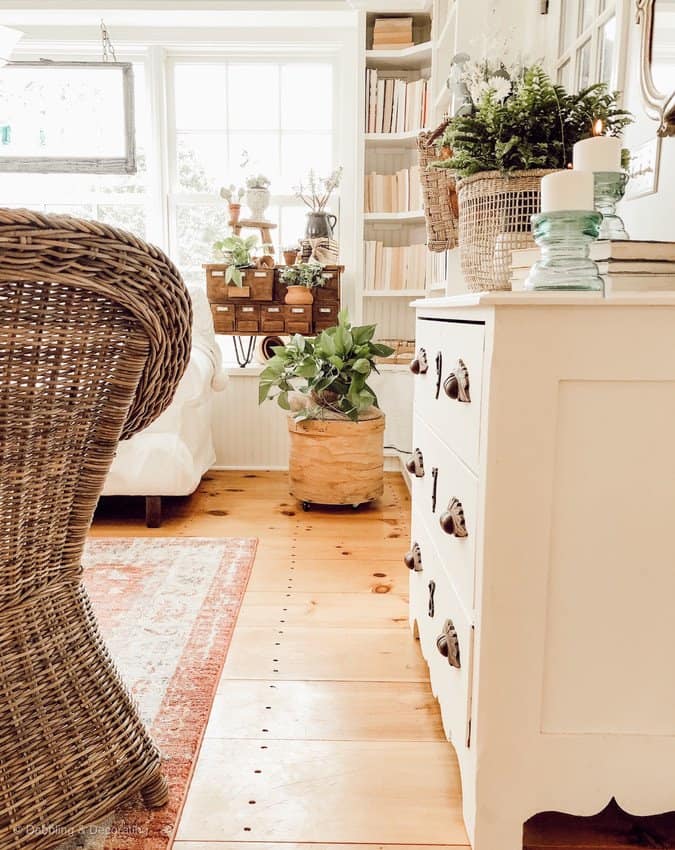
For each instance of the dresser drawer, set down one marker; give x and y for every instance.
(446, 496)
(448, 395)
(433, 602)
(298, 318)
(452, 684)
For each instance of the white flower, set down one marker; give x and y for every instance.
(500, 86)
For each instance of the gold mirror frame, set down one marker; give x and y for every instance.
(658, 105)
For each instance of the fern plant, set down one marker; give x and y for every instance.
(534, 126)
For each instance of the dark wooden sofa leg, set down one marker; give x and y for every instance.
(153, 511)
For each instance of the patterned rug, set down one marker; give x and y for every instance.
(167, 608)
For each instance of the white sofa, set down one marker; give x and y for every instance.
(170, 456)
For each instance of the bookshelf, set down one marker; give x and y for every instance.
(388, 154)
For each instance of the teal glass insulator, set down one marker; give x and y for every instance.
(610, 187)
(565, 238)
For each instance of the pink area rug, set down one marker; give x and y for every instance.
(167, 608)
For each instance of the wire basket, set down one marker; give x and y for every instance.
(441, 210)
(495, 213)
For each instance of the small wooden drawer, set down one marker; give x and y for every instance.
(257, 285)
(298, 318)
(272, 319)
(330, 291)
(325, 314)
(247, 318)
(223, 318)
(322, 326)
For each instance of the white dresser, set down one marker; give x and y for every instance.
(542, 567)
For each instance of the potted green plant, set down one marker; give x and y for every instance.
(258, 195)
(336, 428)
(236, 252)
(233, 195)
(301, 278)
(520, 126)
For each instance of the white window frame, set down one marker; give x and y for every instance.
(618, 8)
(174, 195)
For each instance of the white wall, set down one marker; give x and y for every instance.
(255, 437)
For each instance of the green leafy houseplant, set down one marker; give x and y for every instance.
(333, 368)
(303, 274)
(237, 253)
(527, 122)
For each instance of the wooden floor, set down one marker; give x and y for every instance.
(324, 730)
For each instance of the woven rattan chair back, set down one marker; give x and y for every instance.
(94, 337)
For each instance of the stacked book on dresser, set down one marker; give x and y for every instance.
(394, 105)
(394, 267)
(626, 266)
(392, 33)
(399, 192)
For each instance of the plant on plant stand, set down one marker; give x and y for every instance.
(233, 195)
(522, 125)
(301, 279)
(258, 195)
(337, 429)
(236, 252)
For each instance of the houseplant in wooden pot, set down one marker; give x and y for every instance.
(301, 279)
(244, 277)
(335, 425)
(522, 126)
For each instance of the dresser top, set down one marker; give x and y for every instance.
(547, 299)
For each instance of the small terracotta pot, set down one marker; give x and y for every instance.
(235, 212)
(299, 295)
(290, 257)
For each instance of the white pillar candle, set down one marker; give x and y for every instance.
(567, 190)
(600, 153)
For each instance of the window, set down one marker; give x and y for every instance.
(119, 200)
(280, 113)
(587, 43)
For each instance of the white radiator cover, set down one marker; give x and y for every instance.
(249, 436)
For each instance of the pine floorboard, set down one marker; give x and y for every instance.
(342, 726)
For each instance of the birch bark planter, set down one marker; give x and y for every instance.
(336, 461)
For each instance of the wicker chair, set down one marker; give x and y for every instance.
(94, 336)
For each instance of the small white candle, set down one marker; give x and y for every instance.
(567, 190)
(600, 153)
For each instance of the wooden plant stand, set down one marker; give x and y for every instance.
(265, 228)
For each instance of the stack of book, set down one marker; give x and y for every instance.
(394, 105)
(625, 265)
(400, 192)
(392, 33)
(394, 267)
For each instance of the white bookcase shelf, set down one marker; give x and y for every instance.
(415, 216)
(418, 56)
(405, 140)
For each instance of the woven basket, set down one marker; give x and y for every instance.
(440, 193)
(494, 219)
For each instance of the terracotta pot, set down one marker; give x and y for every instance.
(299, 295)
(235, 212)
(290, 257)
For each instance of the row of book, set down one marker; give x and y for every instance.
(394, 105)
(625, 266)
(399, 192)
(392, 33)
(394, 267)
